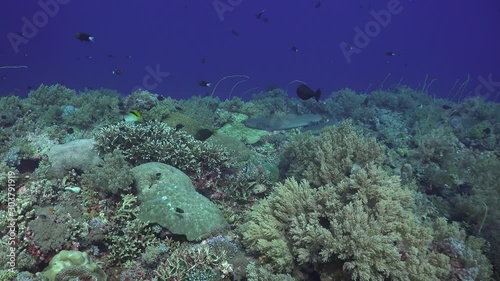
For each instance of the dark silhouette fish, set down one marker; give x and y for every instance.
(305, 93)
(84, 37)
(204, 83)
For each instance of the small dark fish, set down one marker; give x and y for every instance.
(204, 83)
(89, 57)
(391, 54)
(117, 72)
(235, 32)
(160, 97)
(445, 106)
(178, 127)
(318, 4)
(294, 49)
(305, 93)
(203, 134)
(178, 108)
(110, 56)
(3, 77)
(129, 57)
(487, 131)
(259, 15)
(70, 130)
(84, 37)
(29, 87)
(179, 210)
(203, 60)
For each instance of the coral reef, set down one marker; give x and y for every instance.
(365, 222)
(331, 156)
(140, 143)
(78, 154)
(359, 209)
(112, 176)
(167, 197)
(73, 264)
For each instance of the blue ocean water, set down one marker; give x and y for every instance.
(249, 140)
(338, 45)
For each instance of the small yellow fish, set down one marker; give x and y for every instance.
(132, 116)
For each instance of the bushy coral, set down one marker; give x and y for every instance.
(264, 273)
(12, 157)
(91, 108)
(330, 157)
(266, 103)
(194, 262)
(10, 110)
(46, 104)
(141, 100)
(365, 222)
(49, 236)
(113, 176)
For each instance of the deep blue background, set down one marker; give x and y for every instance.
(446, 40)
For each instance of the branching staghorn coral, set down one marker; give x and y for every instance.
(146, 142)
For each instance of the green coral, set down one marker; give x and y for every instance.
(365, 222)
(70, 264)
(129, 241)
(113, 176)
(331, 156)
(155, 141)
(7, 274)
(141, 100)
(239, 131)
(480, 130)
(93, 107)
(46, 104)
(264, 273)
(194, 262)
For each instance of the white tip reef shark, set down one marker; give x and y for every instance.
(285, 122)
